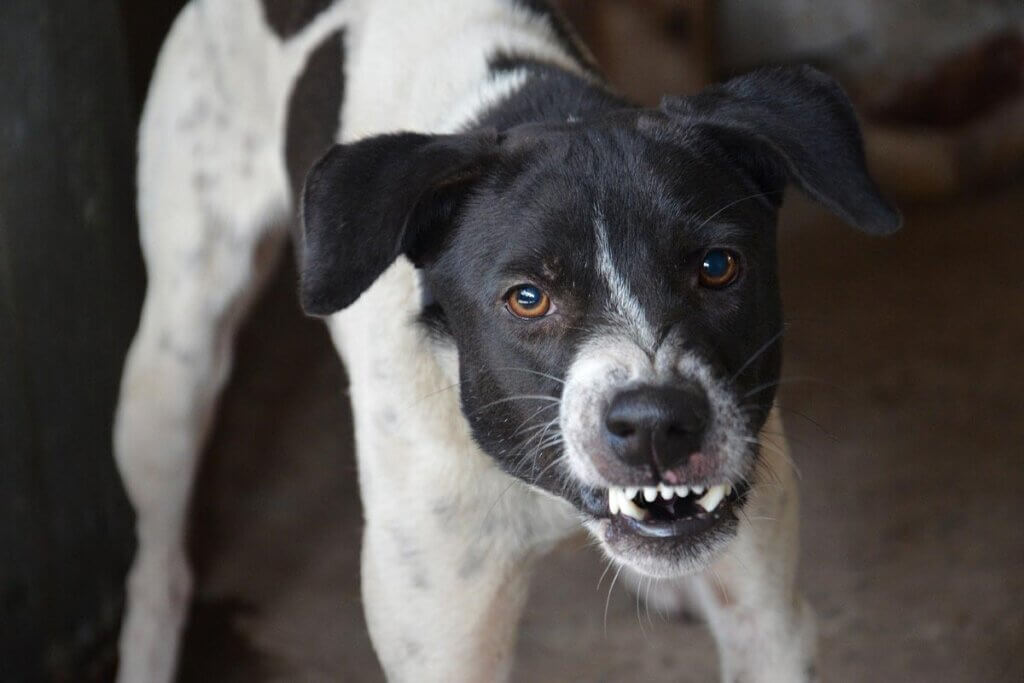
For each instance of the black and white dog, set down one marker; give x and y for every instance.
(556, 309)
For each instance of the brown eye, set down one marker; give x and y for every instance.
(527, 301)
(718, 268)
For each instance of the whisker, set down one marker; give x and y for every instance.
(608, 600)
(764, 347)
(790, 380)
(532, 372)
(533, 415)
(734, 203)
(607, 566)
(436, 392)
(521, 397)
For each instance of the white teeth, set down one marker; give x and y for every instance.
(712, 498)
(650, 493)
(697, 489)
(628, 507)
(620, 501)
(665, 491)
(682, 491)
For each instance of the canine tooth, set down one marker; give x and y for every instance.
(628, 507)
(697, 489)
(712, 498)
(665, 491)
(650, 493)
(631, 492)
(682, 491)
(613, 500)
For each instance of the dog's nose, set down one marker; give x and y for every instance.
(657, 425)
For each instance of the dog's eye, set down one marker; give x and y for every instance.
(528, 301)
(718, 268)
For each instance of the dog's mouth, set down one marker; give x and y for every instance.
(671, 513)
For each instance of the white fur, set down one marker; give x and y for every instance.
(444, 579)
(625, 305)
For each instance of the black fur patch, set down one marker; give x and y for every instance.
(288, 17)
(516, 201)
(367, 203)
(313, 109)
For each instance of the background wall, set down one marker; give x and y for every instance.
(70, 289)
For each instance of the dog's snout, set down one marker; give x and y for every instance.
(660, 426)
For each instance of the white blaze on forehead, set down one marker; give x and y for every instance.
(623, 302)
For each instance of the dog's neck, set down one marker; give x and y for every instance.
(545, 93)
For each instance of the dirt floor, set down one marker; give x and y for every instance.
(904, 404)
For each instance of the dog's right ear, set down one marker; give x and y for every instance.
(368, 202)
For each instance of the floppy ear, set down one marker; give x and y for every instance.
(368, 202)
(793, 123)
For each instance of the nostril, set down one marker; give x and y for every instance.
(687, 422)
(621, 428)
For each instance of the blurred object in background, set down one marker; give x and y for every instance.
(939, 84)
(648, 48)
(70, 289)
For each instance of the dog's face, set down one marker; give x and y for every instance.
(610, 286)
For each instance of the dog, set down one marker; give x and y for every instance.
(556, 309)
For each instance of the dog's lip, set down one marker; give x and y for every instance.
(676, 529)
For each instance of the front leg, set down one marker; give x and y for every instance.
(764, 629)
(446, 563)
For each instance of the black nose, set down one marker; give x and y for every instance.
(657, 425)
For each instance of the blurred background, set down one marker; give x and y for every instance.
(903, 395)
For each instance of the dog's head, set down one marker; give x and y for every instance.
(610, 287)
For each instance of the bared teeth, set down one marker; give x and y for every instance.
(712, 498)
(631, 509)
(627, 500)
(619, 503)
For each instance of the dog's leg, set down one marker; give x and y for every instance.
(213, 199)
(444, 581)
(449, 538)
(764, 629)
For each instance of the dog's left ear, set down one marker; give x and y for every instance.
(366, 203)
(796, 124)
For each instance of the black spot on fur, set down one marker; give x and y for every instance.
(288, 17)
